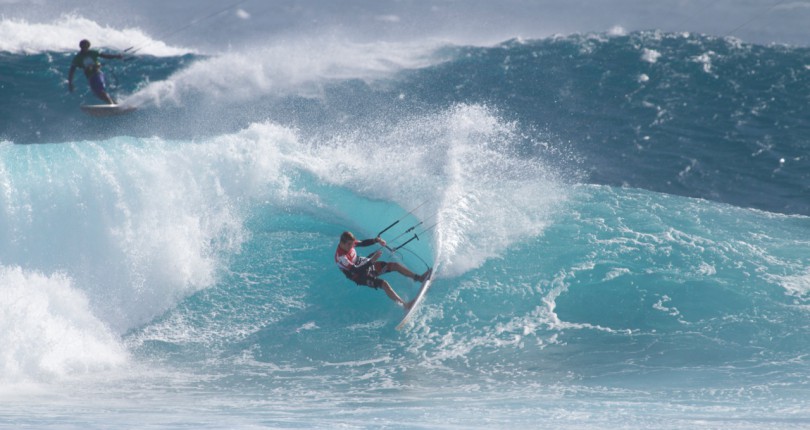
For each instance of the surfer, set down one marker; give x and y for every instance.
(87, 60)
(366, 271)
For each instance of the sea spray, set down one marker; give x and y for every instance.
(48, 330)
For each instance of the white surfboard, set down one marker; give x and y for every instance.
(107, 109)
(418, 300)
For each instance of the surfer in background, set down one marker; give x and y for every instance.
(87, 60)
(366, 271)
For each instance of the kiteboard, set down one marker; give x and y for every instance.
(418, 300)
(107, 109)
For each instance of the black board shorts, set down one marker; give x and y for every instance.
(369, 277)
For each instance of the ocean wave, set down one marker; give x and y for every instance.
(20, 36)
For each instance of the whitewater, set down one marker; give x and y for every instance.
(620, 219)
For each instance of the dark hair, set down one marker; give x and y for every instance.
(84, 43)
(346, 236)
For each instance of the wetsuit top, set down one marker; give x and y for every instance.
(349, 261)
(87, 61)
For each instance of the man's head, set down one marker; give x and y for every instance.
(84, 44)
(347, 239)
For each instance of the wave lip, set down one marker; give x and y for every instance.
(20, 36)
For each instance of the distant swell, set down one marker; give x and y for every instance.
(689, 113)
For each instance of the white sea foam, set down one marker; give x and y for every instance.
(299, 67)
(136, 225)
(650, 55)
(797, 285)
(705, 60)
(485, 198)
(48, 329)
(64, 34)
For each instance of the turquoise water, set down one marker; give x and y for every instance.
(620, 222)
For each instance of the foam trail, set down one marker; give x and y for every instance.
(300, 67)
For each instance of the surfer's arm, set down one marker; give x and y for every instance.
(368, 242)
(353, 270)
(376, 255)
(362, 263)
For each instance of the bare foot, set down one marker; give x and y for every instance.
(422, 277)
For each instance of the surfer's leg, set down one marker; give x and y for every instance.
(106, 97)
(391, 266)
(99, 88)
(391, 293)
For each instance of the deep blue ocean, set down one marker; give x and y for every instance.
(621, 224)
